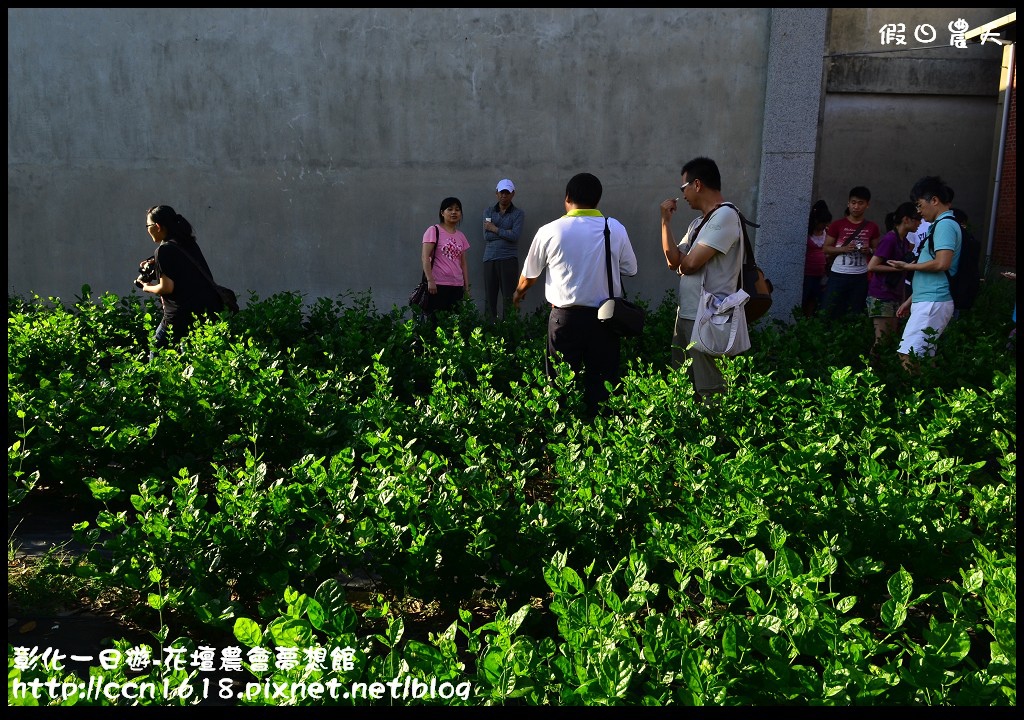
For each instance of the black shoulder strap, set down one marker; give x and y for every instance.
(928, 237)
(853, 237)
(703, 222)
(200, 268)
(437, 239)
(742, 216)
(608, 257)
(748, 251)
(608, 261)
(743, 222)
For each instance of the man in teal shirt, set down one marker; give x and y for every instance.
(930, 305)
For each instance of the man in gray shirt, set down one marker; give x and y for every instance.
(709, 256)
(503, 222)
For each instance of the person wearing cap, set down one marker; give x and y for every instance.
(503, 223)
(572, 250)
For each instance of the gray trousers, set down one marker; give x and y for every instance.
(500, 278)
(704, 373)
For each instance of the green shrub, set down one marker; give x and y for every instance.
(833, 531)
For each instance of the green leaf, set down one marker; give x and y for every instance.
(607, 592)
(102, 490)
(846, 604)
(922, 673)
(315, 613)
(553, 577)
(754, 600)
(248, 632)
(331, 596)
(894, 614)
(777, 538)
(757, 562)
(730, 647)
(493, 667)
(741, 573)
(515, 620)
(973, 580)
(290, 632)
(823, 564)
(1005, 632)
(344, 621)
(425, 659)
(616, 672)
(573, 580)
(786, 565)
(900, 585)
(297, 606)
(770, 622)
(948, 643)
(396, 628)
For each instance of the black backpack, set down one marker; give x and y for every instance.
(964, 285)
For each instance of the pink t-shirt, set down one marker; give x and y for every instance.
(814, 261)
(447, 255)
(854, 263)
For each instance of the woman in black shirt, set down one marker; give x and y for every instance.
(183, 277)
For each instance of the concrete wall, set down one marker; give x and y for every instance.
(893, 114)
(790, 139)
(311, 148)
(1004, 237)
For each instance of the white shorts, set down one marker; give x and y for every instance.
(925, 325)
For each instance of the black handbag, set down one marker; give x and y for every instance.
(622, 317)
(420, 296)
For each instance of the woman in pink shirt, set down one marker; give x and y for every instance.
(814, 262)
(444, 258)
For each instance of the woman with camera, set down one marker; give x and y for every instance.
(179, 275)
(886, 285)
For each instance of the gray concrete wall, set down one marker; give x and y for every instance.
(893, 114)
(925, 135)
(311, 148)
(792, 123)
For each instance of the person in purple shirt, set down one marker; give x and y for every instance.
(886, 284)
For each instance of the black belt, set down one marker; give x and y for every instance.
(576, 308)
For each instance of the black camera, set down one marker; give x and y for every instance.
(147, 272)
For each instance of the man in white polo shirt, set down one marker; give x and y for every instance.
(572, 250)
